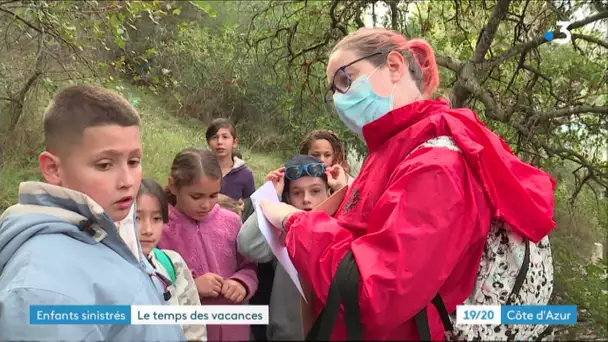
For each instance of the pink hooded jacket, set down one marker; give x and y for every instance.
(210, 246)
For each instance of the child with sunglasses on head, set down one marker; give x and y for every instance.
(151, 215)
(325, 145)
(205, 235)
(303, 183)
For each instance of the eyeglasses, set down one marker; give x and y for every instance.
(296, 171)
(341, 81)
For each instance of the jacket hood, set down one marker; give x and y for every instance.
(49, 209)
(238, 165)
(518, 193)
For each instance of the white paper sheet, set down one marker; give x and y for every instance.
(267, 192)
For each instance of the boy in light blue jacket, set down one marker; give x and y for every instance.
(61, 245)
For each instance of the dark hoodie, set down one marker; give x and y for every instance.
(238, 182)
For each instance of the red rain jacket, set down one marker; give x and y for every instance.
(417, 225)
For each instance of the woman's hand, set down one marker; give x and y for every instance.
(277, 177)
(209, 284)
(336, 177)
(277, 213)
(234, 291)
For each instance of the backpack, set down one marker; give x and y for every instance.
(166, 262)
(512, 271)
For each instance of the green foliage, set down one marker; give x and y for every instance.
(205, 6)
(67, 38)
(580, 224)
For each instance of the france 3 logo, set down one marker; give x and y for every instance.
(563, 28)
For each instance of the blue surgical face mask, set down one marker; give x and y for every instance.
(361, 105)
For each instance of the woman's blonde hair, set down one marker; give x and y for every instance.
(231, 204)
(417, 52)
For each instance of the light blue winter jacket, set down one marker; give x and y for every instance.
(46, 259)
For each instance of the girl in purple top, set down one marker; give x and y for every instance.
(205, 235)
(238, 178)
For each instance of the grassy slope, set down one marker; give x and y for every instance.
(164, 135)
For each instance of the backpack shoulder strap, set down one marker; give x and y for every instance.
(166, 262)
(344, 288)
(421, 317)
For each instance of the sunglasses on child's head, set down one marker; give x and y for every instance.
(296, 171)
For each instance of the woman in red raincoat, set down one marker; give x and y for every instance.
(416, 217)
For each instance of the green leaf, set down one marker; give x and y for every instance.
(205, 6)
(114, 22)
(120, 42)
(134, 102)
(177, 11)
(149, 52)
(601, 100)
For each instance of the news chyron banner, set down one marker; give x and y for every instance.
(516, 314)
(258, 314)
(148, 314)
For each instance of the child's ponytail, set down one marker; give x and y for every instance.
(424, 55)
(170, 196)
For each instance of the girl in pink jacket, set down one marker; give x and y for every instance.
(205, 235)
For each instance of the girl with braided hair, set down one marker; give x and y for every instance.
(325, 145)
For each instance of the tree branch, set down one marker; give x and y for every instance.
(310, 48)
(598, 16)
(567, 154)
(55, 35)
(570, 111)
(538, 41)
(2, 98)
(27, 23)
(448, 62)
(470, 84)
(460, 92)
(334, 20)
(493, 111)
(579, 185)
(7, 2)
(488, 32)
(590, 39)
(545, 77)
(358, 19)
(394, 14)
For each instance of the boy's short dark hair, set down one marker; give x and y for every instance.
(79, 107)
